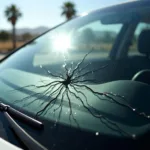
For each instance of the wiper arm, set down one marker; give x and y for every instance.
(21, 117)
(28, 141)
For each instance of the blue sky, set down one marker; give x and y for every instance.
(47, 12)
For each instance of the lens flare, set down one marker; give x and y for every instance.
(62, 43)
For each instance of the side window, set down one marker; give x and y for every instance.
(133, 50)
(97, 36)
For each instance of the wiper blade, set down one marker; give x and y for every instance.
(26, 139)
(21, 116)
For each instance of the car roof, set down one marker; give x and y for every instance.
(123, 7)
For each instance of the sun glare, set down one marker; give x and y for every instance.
(62, 43)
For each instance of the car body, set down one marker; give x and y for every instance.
(85, 80)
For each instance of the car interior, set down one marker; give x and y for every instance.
(130, 66)
(143, 61)
(135, 67)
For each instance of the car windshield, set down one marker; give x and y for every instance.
(60, 75)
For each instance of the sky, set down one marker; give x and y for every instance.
(46, 12)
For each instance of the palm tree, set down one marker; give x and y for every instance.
(12, 14)
(68, 10)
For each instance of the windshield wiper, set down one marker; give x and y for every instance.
(21, 116)
(25, 138)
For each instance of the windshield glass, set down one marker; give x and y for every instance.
(62, 75)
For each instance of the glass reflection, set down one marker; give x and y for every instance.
(62, 43)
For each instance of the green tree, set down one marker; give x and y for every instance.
(68, 10)
(107, 37)
(4, 36)
(87, 36)
(12, 14)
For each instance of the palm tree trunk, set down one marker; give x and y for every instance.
(14, 37)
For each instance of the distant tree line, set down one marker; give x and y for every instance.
(7, 36)
(90, 36)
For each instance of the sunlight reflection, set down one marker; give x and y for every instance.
(62, 43)
(84, 14)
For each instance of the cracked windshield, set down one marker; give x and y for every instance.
(62, 76)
